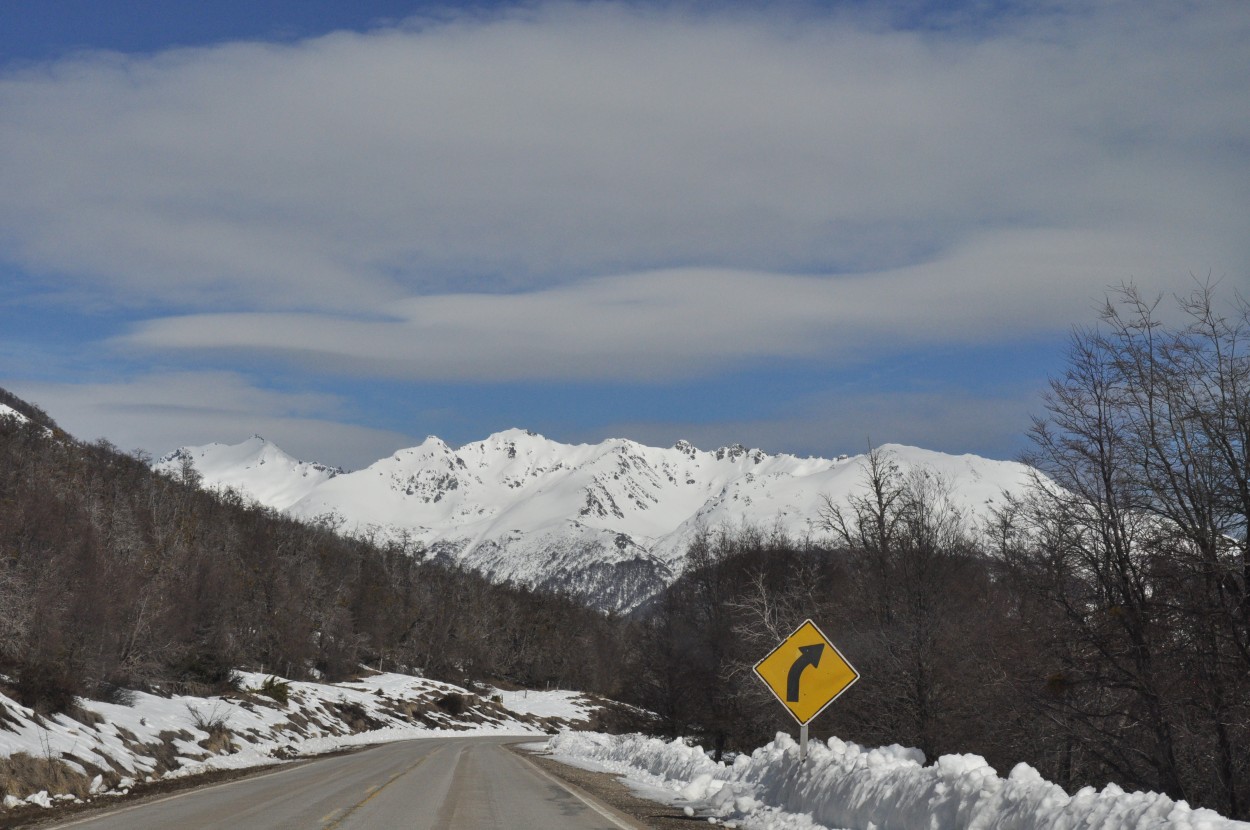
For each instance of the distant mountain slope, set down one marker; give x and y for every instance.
(7, 411)
(13, 406)
(256, 468)
(610, 522)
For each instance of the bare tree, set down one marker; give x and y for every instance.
(1142, 543)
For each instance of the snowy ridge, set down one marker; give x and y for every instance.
(610, 522)
(256, 468)
(843, 785)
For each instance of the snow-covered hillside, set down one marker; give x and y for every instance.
(98, 750)
(610, 522)
(7, 411)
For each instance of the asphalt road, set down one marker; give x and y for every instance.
(437, 784)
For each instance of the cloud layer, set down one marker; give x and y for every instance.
(669, 324)
(625, 192)
(160, 411)
(553, 144)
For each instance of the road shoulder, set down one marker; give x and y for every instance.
(148, 791)
(608, 788)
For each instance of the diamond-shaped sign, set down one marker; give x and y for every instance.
(806, 672)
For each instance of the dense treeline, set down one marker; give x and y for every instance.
(114, 576)
(1098, 627)
(927, 619)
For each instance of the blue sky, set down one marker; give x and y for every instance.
(801, 227)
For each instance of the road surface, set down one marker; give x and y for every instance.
(436, 784)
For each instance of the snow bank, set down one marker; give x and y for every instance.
(843, 785)
(666, 761)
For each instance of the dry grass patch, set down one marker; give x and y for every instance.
(355, 716)
(85, 716)
(22, 775)
(220, 737)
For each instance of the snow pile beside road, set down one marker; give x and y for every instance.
(665, 762)
(843, 785)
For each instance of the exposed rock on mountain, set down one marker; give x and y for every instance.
(610, 522)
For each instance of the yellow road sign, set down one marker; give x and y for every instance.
(806, 672)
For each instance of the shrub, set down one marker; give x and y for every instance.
(452, 704)
(108, 692)
(214, 723)
(273, 687)
(45, 687)
(205, 672)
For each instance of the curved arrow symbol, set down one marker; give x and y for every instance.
(808, 656)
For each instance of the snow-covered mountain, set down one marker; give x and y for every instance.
(255, 468)
(610, 522)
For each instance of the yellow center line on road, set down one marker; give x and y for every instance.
(372, 793)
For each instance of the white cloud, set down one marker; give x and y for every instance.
(616, 193)
(539, 147)
(160, 412)
(661, 325)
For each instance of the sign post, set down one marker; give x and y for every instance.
(806, 673)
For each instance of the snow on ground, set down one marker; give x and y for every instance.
(555, 703)
(7, 411)
(107, 748)
(843, 785)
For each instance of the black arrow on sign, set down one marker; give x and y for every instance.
(808, 656)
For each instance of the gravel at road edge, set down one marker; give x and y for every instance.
(607, 788)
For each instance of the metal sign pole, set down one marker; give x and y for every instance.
(803, 744)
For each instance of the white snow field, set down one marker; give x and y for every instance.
(558, 704)
(111, 747)
(843, 786)
(610, 522)
(256, 467)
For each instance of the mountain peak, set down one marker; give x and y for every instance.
(610, 522)
(256, 467)
(512, 434)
